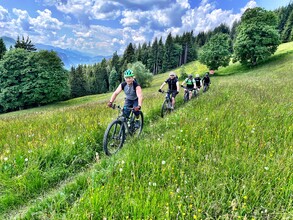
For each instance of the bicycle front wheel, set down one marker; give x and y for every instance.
(186, 96)
(114, 137)
(165, 108)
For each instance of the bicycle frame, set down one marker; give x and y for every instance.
(168, 97)
(124, 119)
(187, 92)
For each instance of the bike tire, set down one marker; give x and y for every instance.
(135, 132)
(165, 108)
(205, 88)
(114, 137)
(186, 96)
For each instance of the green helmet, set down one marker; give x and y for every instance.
(128, 73)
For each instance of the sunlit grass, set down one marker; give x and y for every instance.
(226, 155)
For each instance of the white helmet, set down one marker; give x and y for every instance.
(197, 75)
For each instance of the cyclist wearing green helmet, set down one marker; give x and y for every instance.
(190, 84)
(132, 92)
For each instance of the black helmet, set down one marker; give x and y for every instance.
(207, 74)
(190, 76)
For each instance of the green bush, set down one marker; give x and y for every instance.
(142, 75)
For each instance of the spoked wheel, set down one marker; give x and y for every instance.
(205, 88)
(195, 93)
(165, 108)
(114, 137)
(186, 96)
(136, 125)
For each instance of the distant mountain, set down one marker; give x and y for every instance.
(68, 56)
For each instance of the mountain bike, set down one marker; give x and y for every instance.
(195, 92)
(167, 104)
(186, 93)
(206, 87)
(120, 128)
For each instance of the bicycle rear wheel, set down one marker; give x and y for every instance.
(165, 108)
(114, 137)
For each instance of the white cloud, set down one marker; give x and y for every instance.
(250, 4)
(45, 21)
(134, 21)
(4, 15)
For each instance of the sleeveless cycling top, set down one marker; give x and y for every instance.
(130, 90)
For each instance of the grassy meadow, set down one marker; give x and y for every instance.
(226, 155)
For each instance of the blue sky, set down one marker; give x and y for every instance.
(101, 27)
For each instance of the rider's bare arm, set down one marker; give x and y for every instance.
(139, 95)
(115, 93)
(164, 83)
(178, 88)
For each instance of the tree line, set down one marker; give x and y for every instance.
(31, 78)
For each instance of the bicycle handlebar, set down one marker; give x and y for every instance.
(184, 87)
(114, 106)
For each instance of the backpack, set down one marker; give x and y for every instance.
(135, 84)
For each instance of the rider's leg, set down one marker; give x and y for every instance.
(135, 103)
(127, 104)
(173, 102)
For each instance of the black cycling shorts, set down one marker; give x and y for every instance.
(173, 93)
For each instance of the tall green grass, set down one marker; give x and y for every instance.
(226, 155)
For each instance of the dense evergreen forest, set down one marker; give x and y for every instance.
(31, 78)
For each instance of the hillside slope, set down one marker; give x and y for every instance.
(226, 155)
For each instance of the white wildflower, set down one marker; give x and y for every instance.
(163, 162)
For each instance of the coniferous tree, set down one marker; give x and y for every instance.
(2, 48)
(171, 57)
(287, 32)
(115, 63)
(154, 57)
(222, 28)
(114, 79)
(201, 39)
(104, 78)
(77, 82)
(25, 44)
(138, 53)
(161, 50)
(283, 14)
(129, 55)
(233, 29)
(144, 54)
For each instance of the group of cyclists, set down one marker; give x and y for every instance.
(133, 90)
